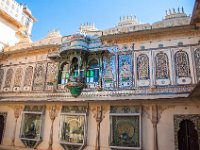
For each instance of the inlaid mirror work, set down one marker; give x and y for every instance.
(125, 128)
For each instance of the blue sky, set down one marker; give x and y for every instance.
(66, 15)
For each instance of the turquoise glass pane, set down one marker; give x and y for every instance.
(88, 73)
(91, 73)
(67, 75)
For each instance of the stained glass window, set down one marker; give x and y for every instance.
(197, 61)
(73, 127)
(125, 127)
(162, 66)
(92, 74)
(32, 125)
(65, 73)
(182, 64)
(142, 67)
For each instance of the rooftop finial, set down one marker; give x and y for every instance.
(166, 12)
(183, 10)
(120, 18)
(174, 11)
(179, 10)
(170, 11)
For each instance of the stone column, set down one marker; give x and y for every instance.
(17, 113)
(98, 115)
(53, 112)
(155, 120)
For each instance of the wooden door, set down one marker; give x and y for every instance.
(2, 123)
(187, 136)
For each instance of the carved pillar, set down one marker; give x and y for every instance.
(53, 112)
(155, 120)
(98, 115)
(154, 112)
(17, 113)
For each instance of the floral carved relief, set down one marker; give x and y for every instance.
(182, 64)
(39, 77)
(162, 66)
(18, 77)
(197, 61)
(1, 77)
(142, 67)
(9, 76)
(51, 73)
(28, 76)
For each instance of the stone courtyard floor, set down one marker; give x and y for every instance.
(3, 147)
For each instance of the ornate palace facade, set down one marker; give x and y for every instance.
(134, 87)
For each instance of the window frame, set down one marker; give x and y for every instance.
(65, 114)
(41, 113)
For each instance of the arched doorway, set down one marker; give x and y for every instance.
(2, 124)
(187, 136)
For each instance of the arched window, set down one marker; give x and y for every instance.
(142, 67)
(1, 77)
(197, 61)
(93, 71)
(28, 76)
(74, 67)
(182, 64)
(9, 77)
(162, 66)
(64, 73)
(18, 77)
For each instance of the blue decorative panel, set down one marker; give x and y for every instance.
(109, 72)
(125, 71)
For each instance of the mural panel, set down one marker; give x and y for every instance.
(39, 77)
(9, 77)
(1, 77)
(197, 62)
(18, 77)
(28, 76)
(109, 72)
(125, 71)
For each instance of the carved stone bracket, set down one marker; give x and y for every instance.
(154, 111)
